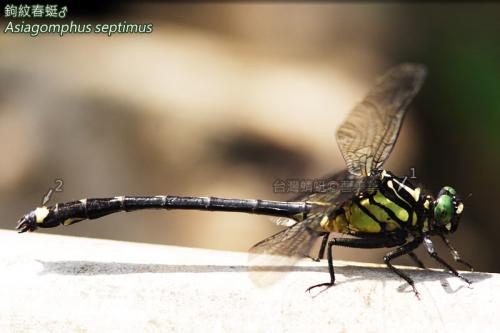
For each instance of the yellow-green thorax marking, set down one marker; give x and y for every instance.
(393, 204)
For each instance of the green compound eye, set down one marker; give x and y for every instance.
(443, 211)
(447, 190)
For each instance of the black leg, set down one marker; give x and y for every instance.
(400, 251)
(330, 270)
(321, 253)
(455, 254)
(415, 259)
(362, 243)
(430, 249)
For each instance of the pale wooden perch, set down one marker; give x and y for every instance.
(67, 284)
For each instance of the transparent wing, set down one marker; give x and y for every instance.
(367, 136)
(336, 190)
(275, 255)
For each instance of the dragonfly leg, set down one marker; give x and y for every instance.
(455, 254)
(362, 243)
(330, 270)
(430, 249)
(416, 260)
(321, 253)
(406, 248)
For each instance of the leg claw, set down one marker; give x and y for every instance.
(326, 286)
(417, 294)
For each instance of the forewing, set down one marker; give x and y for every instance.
(367, 136)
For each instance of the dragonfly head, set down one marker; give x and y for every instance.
(446, 211)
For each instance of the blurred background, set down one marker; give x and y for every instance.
(223, 99)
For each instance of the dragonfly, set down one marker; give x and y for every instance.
(381, 211)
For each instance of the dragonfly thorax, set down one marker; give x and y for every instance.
(391, 203)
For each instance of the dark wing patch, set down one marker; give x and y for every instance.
(367, 136)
